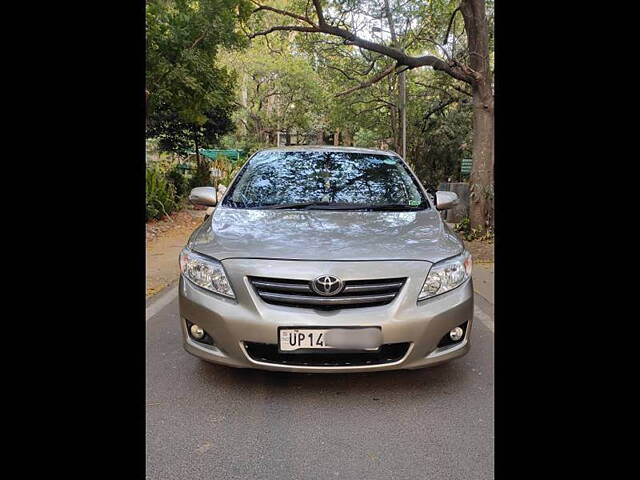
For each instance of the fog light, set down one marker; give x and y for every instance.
(455, 334)
(196, 332)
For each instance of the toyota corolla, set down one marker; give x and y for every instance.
(325, 259)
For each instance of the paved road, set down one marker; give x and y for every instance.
(211, 422)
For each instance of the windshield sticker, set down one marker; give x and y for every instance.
(414, 203)
(389, 161)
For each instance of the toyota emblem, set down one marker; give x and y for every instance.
(327, 285)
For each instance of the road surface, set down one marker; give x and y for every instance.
(211, 422)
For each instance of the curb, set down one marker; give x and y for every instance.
(161, 299)
(480, 314)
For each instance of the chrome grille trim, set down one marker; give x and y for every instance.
(372, 287)
(356, 293)
(285, 287)
(326, 300)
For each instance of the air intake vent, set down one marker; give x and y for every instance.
(268, 353)
(356, 293)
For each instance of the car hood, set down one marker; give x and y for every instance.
(325, 235)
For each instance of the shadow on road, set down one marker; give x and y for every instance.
(441, 379)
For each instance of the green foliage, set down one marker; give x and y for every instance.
(470, 234)
(203, 82)
(246, 142)
(438, 130)
(189, 96)
(438, 110)
(178, 136)
(230, 174)
(183, 38)
(202, 175)
(161, 197)
(179, 181)
(278, 90)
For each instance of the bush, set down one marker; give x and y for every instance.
(179, 182)
(161, 196)
(202, 176)
(470, 234)
(232, 172)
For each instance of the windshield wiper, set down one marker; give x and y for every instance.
(342, 206)
(376, 207)
(395, 206)
(298, 205)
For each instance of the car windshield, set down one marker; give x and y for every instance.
(325, 180)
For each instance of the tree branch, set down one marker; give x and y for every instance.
(373, 100)
(332, 67)
(371, 81)
(285, 28)
(281, 12)
(435, 110)
(318, 7)
(453, 16)
(198, 40)
(392, 29)
(349, 73)
(462, 90)
(435, 87)
(352, 39)
(426, 116)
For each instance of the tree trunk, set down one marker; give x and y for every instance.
(348, 138)
(394, 115)
(244, 95)
(481, 181)
(402, 114)
(336, 137)
(477, 73)
(195, 141)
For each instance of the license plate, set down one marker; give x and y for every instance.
(294, 339)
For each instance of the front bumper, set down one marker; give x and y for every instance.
(231, 323)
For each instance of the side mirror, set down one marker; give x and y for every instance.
(446, 200)
(203, 196)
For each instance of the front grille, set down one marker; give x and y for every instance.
(268, 353)
(356, 293)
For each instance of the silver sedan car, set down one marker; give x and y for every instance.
(325, 259)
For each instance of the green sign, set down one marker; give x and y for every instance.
(233, 155)
(465, 167)
(212, 153)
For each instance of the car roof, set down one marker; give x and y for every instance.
(328, 148)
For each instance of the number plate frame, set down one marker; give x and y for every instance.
(326, 349)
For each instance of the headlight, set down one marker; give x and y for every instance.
(205, 272)
(446, 275)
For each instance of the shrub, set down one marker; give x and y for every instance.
(161, 197)
(179, 182)
(232, 172)
(464, 228)
(202, 175)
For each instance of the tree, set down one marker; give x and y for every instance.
(188, 95)
(179, 136)
(472, 66)
(278, 90)
(183, 38)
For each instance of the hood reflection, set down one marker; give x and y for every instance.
(326, 235)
